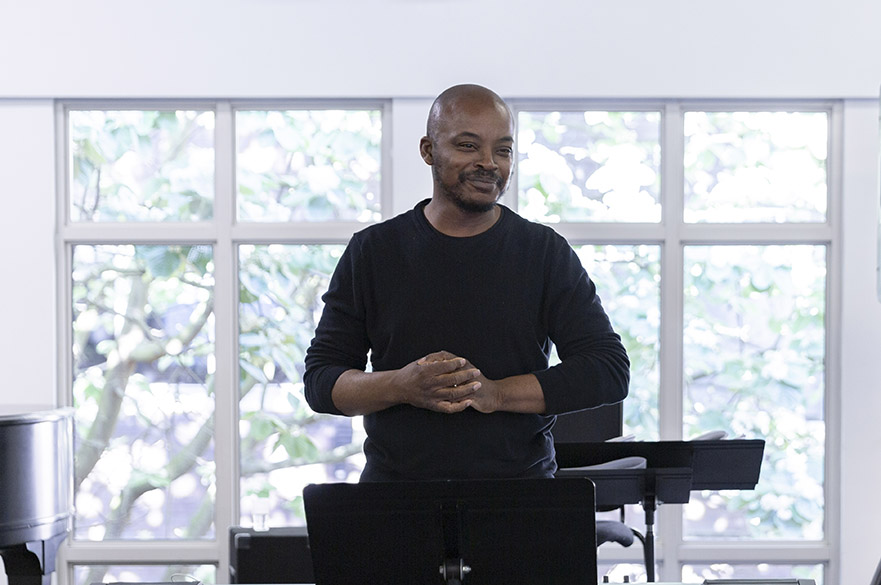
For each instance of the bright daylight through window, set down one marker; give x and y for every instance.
(684, 244)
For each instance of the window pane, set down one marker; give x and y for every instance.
(284, 445)
(302, 165)
(628, 282)
(754, 347)
(143, 353)
(88, 574)
(755, 167)
(141, 165)
(764, 571)
(589, 166)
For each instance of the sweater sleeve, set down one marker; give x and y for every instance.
(594, 368)
(340, 341)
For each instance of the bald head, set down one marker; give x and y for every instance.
(469, 145)
(458, 95)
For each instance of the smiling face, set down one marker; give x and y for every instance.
(470, 147)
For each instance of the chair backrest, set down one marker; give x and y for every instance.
(591, 425)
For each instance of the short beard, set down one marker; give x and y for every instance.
(454, 193)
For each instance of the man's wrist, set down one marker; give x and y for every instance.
(521, 394)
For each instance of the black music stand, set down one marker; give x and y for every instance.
(490, 532)
(673, 470)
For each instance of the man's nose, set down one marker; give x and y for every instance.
(487, 159)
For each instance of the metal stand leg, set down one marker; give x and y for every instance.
(649, 505)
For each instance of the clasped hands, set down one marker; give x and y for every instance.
(444, 382)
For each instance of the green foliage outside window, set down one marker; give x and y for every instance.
(308, 165)
(628, 283)
(754, 322)
(143, 390)
(143, 321)
(589, 166)
(141, 165)
(755, 167)
(284, 445)
(754, 366)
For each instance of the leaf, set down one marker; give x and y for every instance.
(298, 446)
(261, 429)
(162, 261)
(253, 371)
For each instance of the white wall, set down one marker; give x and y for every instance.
(789, 48)
(409, 50)
(27, 248)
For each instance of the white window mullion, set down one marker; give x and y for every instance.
(671, 275)
(226, 442)
(62, 259)
(63, 265)
(63, 310)
(833, 383)
(796, 553)
(293, 232)
(669, 518)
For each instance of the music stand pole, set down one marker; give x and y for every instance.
(649, 505)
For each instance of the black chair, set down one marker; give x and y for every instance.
(596, 425)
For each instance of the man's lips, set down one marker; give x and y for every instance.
(484, 181)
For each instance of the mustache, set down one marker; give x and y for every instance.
(482, 176)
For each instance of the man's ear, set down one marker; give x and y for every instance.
(425, 150)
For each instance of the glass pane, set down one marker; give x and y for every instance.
(141, 165)
(143, 354)
(589, 166)
(308, 165)
(755, 167)
(628, 282)
(88, 574)
(284, 445)
(754, 348)
(764, 571)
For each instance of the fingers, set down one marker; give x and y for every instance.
(449, 382)
(447, 369)
(438, 356)
(451, 407)
(459, 398)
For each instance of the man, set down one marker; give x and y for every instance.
(458, 302)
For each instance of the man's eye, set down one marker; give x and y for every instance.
(467, 145)
(506, 151)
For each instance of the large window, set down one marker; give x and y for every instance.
(197, 239)
(192, 233)
(708, 233)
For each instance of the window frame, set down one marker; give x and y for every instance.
(224, 234)
(673, 234)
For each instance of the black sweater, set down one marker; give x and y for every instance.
(403, 290)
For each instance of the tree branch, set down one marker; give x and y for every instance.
(182, 462)
(337, 455)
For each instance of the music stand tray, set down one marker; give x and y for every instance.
(716, 465)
